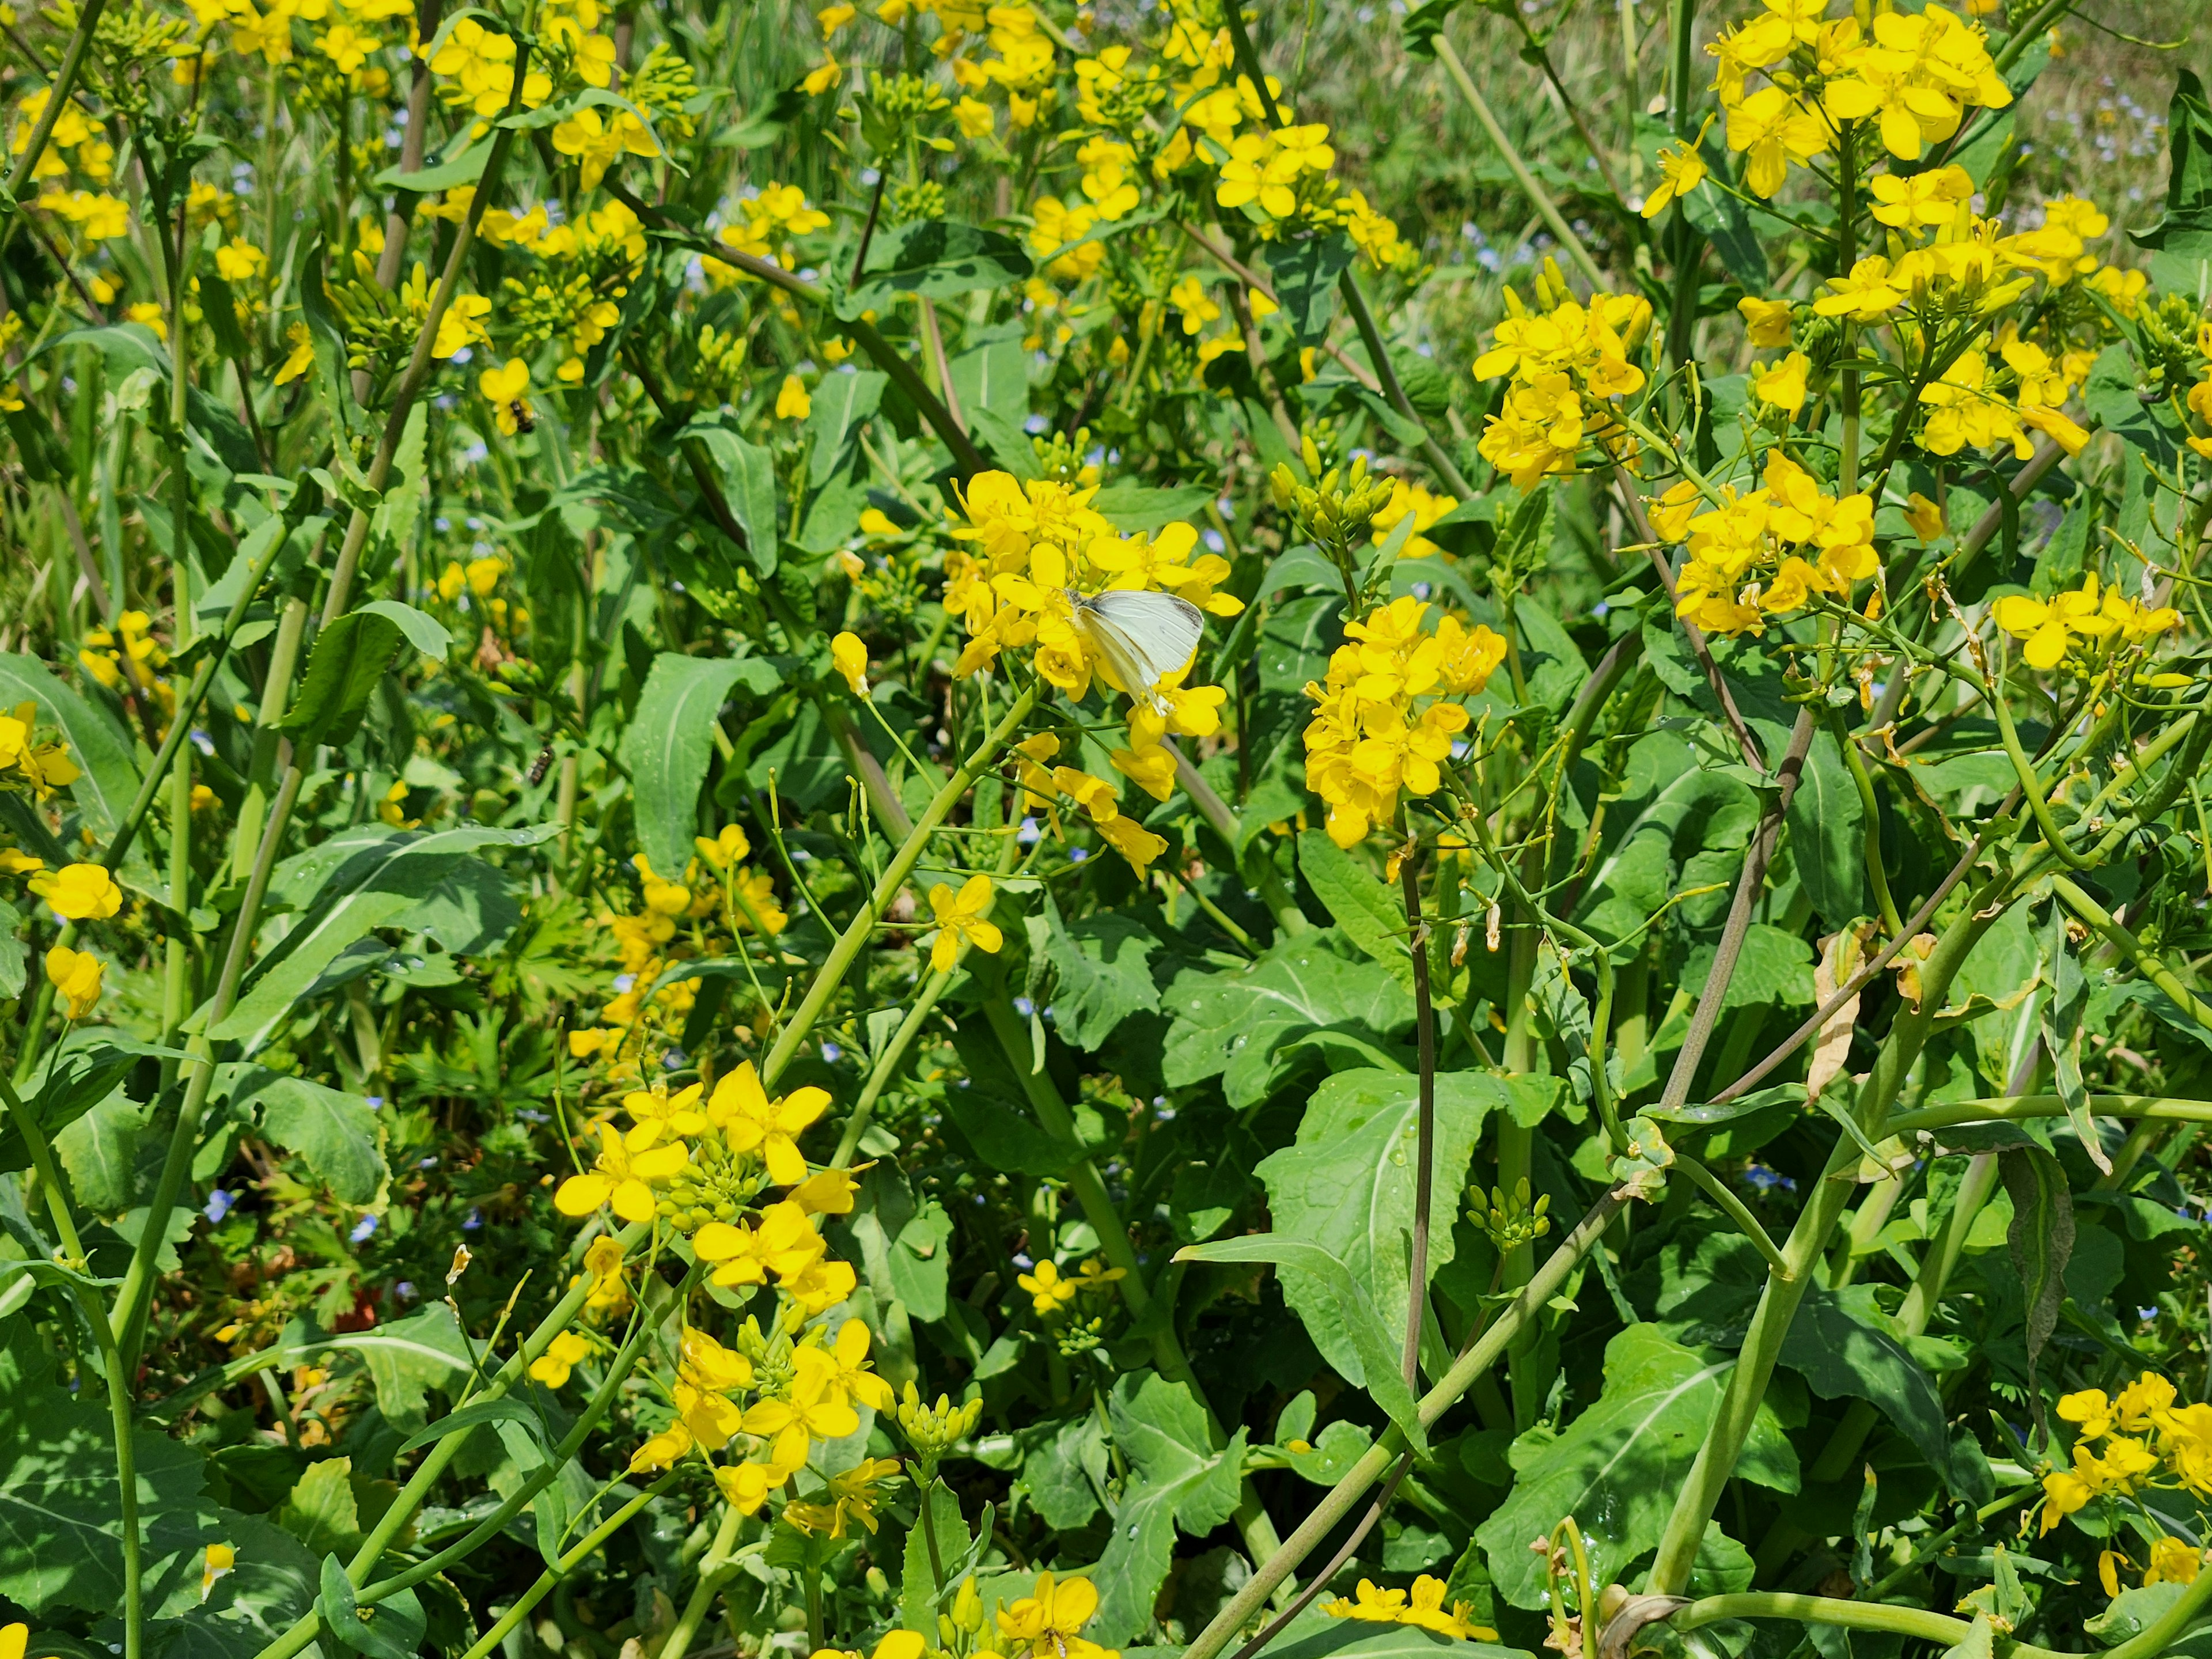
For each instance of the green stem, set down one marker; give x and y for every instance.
(1476, 1361)
(715, 1567)
(856, 936)
(1363, 317)
(1547, 209)
(1734, 1209)
(2030, 786)
(1680, 40)
(1268, 882)
(1870, 837)
(887, 1064)
(2145, 960)
(584, 1551)
(2013, 1109)
(1731, 1425)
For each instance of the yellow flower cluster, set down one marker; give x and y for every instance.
(1366, 742)
(773, 217)
(27, 763)
(2099, 621)
(1764, 553)
(1566, 361)
(2147, 1441)
(128, 658)
(1912, 77)
(1424, 1606)
(741, 899)
(2200, 395)
(1052, 1292)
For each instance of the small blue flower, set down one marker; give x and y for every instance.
(832, 1053)
(405, 1291)
(475, 1221)
(375, 1103)
(363, 1229)
(1024, 1007)
(218, 1205)
(1027, 834)
(1077, 854)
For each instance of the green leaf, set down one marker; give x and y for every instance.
(14, 953)
(1065, 1471)
(97, 743)
(1232, 1025)
(2061, 1025)
(993, 374)
(335, 1131)
(1839, 1344)
(366, 878)
(390, 1629)
(471, 1417)
(321, 1512)
(1346, 1184)
(61, 1515)
(1618, 1466)
(1351, 1316)
(919, 1589)
(2183, 235)
(1826, 822)
(407, 1357)
(1132, 507)
(1369, 913)
(664, 750)
(425, 633)
(1676, 826)
(1306, 271)
(80, 1072)
(344, 671)
(99, 1151)
(935, 258)
(842, 404)
(2041, 1238)
(465, 169)
(1101, 973)
(1176, 1478)
(1356, 1639)
(747, 475)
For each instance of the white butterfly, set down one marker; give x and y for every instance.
(1143, 636)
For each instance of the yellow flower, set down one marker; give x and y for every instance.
(300, 358)
(1681, 170)
(1866, 295)
(75, 975)
(2173, 1561)
(751, 1121)
(1768, 321)
(1782, 385)
(897, 1644)
(965, 916)
(1772, 130)
(662, 1450)
(976, 118)
(561, 1356)
(792, 402)
(1049, 1290)
(620, 1180)
(850, 657)
(80, 892)
(503, 388)
(596, 144)
(1925, 198)
(1049, 1621)
(728, 848)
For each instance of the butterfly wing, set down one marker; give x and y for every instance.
(1143, 636)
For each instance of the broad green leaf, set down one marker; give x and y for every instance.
(335, 1131)
(935, 258)
(80, 1072)
(1826, 822)
(1065, 1471)
(1380, 1351)
(2041, 1237)
(99, 1151)
(1132, 507)
(99, 745)
(471, 1417)
(903, 1244)
(1840, 1346)
(1101, 973)
(464, 168)
(1616, 1467)
(1357, 1638)
(424, 632)
(1306, 269)
(1368, 912)
(842, 402)
(666, 749)
(1347, 1185)
(392, 1628)
(994, 374)
(407, 1358)
(2183, 237)
(364, 880)
(344, 668)
(747, 475)
(1677, 825)
(919, 1590)
(1231, 1024)
(61, 1516)
(1176, 1478)
(321, 1512)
